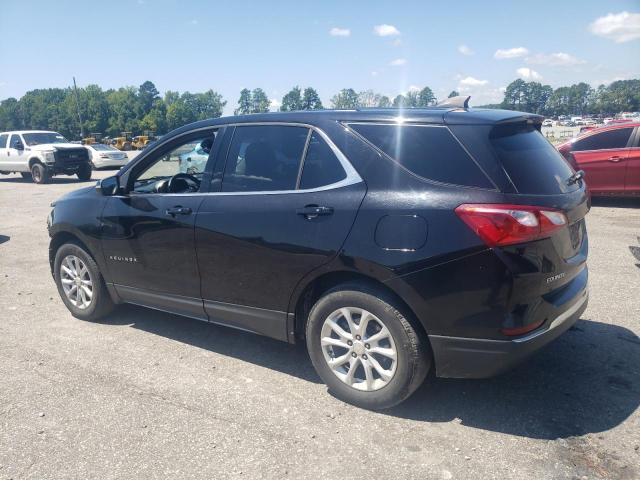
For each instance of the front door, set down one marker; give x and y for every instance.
(16, 155)
(273, 221)
(148, 235)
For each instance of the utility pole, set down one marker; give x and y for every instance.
(75, 89)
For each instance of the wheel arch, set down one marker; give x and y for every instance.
(321, 284)
(60, 238)
(33, 161)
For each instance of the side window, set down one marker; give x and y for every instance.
(264, 158)
(188, 158)
(617, 138)
(3, 140)
(15, 141)
(430, 152)
(321, 166)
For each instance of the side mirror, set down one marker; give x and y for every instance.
(108, 186)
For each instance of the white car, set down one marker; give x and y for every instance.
(195, 160)
(547, 123)
(106, 156)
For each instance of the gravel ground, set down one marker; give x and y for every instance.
(145, 394)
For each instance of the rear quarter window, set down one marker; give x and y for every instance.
(431, 152)
(534, 166)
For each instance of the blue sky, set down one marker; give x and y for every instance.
(476, 47)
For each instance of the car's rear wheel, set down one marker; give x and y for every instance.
(40, 174)
(80, 283)
(365, 349)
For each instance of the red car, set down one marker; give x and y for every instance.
(610, 158)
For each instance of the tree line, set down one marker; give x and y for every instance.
(140, 109)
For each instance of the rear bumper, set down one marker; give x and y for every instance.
(458, 357)
(110, 163)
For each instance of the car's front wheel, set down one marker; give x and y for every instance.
(365, 349)
(84, 172)
(40, 173)
(80, 283)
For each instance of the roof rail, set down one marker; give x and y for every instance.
(461, 101)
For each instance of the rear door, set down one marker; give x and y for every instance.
(603, 156)
(632, 178)
(275, 218)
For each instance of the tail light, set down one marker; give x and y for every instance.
(499, 224)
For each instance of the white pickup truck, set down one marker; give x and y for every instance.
(39, 155)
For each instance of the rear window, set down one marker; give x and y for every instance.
(617, 138)
(533, 165)
(431, 152)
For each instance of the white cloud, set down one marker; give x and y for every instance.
(619, 27)
(414, 88)
(398, 62)
(472, 82)
(528, 74)
(385, 30)
(275, 104)
(516, 52)
(465, 50)
(340, 32)
(2, 84)
(559, 59)
(374, 74)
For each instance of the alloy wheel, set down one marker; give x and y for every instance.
(359, 348)
(76, 281)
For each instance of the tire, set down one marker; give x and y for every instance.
(412, 352)
(26, 175)
(84, 173)
(99, 302)
(40, 174)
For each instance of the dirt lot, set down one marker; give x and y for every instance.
(143, 394)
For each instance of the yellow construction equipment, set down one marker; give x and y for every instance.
(123, 142)
(141, 141)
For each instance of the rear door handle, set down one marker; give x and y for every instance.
(313, 211)
(615, 158)
(173, 211)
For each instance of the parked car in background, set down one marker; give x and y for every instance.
(40, 154)
(345, 230)
(547, 123)
(106, 156)
(608, 120)
(610, 158)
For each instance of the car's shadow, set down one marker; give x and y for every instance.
(52, 180)
(587, 381)
(616, 202)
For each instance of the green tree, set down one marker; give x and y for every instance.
(292, 101)
(368, 98)
(10, 117)
(426, 97)
(311, 100)
(244, 102)
(399, 101)
(347, 98)
(384, 102)
(259, 101)
(454, 93)
(515, 95)
(147, 93)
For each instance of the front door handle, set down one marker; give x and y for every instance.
(173, 211)
(615, 158)
(313, 211)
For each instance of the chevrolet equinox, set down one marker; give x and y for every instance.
(393, 242)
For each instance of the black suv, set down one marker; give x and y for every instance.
(394, 242)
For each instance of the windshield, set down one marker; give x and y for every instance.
(102, 147)
(40, 138)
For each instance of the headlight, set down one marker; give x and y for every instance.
(49, 157)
